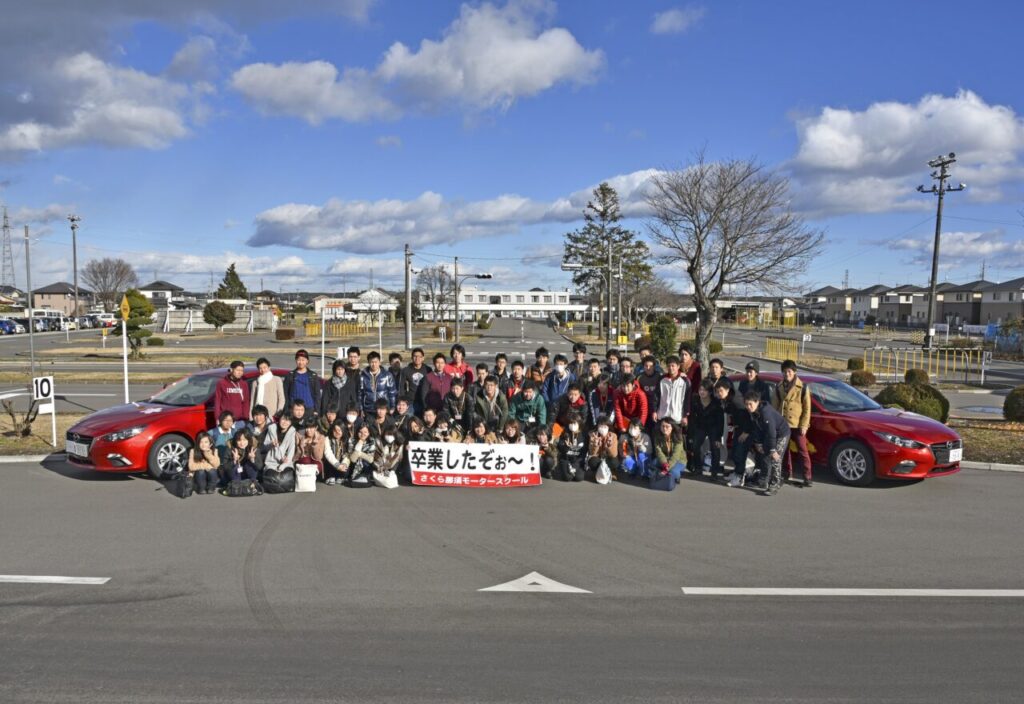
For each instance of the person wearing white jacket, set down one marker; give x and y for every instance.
(281, 454)
(675, 394)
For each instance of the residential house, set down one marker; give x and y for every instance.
(815, 301)
(901, 305)
(865, 302)
(1001, 303)
(961, 304)
(160, 293)
(61, 296)
(839, 305)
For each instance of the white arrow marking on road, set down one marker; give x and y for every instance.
(799, 591)
(44, 579)
(535, 582)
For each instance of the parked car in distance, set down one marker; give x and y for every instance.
(860, 441)
(106, 319)
(6, 326)
(152, 435)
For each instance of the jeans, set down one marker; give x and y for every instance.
(739, 452)
(572, 470)
(699, 435)
(547, 466)
(636, 466)
(205, 478)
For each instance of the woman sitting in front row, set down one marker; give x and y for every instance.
(240, 458)
(203, 462)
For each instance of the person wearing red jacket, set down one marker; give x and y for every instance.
(232, 394)
(630, 404)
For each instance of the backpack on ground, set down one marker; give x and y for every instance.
(663, 482)
(279, 481)
(181, 484)
(243, 487)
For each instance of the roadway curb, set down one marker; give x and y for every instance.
(16, 459)
(993, 466)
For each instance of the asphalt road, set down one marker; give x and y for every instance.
(373, 596)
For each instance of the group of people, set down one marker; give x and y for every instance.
(604, 419)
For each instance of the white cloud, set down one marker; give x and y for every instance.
(196, 59)
(871, 160)
(370, 227)
(47, 214)
(959, 249)
(488, 58)
(677, 20)
(110, 105)
(382, 268)
(387, 141)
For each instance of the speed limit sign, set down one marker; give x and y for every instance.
(42, 388)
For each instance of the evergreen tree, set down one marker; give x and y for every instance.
(232, 286)
(141, 315)
(218, 314)
(589, 246)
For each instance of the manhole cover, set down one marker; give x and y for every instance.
(995, 410)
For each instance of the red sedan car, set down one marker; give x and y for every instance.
(153, 435)
(860, 441)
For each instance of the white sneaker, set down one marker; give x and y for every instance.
(734, 480)
(331, 481)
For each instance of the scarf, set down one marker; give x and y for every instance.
(261, 384)
(337, 382)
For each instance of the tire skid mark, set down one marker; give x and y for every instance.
(252, 569)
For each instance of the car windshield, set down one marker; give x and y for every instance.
(190, 391)
(838, 397)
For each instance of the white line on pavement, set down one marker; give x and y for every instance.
(800, 591)
(44, 579)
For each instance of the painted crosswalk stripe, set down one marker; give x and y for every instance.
(50, 579)
(842, 591)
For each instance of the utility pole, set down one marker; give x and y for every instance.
(940, 172)
(608, 327)
(618, 307)
(408, 298)
(7, 278)
(846, 279)
(31, 310)
(74, 220)
(456, 299)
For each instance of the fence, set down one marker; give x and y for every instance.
(894, 361)
(188, 321)
(335, 328)
(781, 349)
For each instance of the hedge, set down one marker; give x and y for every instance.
(154, 342)
(916, 376)
(1013, 406)
(916, 398)
(855, 363)
(862, 378)
(449, 331)
(284, 334)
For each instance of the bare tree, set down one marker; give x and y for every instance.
(729, 224)
(436, 285)
(643, 300)
(109, 279)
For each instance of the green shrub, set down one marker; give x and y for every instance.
(662, 336)
(714, 346)
(484, 322)
(918, 398)
(855, 363)
(916, 376)
(590, 330)
(963, 342)
(154, 342)
(449, 331)
(862, 378)
(284, 334)
(218, 314)
(1013, 406)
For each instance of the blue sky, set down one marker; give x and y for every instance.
(309, 146)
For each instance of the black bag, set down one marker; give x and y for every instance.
(243, 487)
(279, 481)
(181, 484)
(359, 478)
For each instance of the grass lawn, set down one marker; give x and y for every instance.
(991, 441)
(38, 443)
(113, 376)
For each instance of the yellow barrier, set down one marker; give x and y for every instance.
(781, 349)
(334, 329)
(939, 362)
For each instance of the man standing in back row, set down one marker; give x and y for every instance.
(302, 384)
(792, 399)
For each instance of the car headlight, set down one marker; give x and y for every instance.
(119, 435)
(900, 442)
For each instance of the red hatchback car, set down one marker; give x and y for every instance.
(860, 440)
(154, 434)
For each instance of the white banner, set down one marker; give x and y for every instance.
(477, 465)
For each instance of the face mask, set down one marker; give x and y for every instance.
(574, 427)
(351, 417)
(602, 430)
(389, 439)
(635, 432)
(560, 368)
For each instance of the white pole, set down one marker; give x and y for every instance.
(53, 415)
(323, 329)
(124, 355)
(380, 332)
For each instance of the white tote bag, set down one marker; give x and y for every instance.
(603, 475)
(305, 478)
(387, 480)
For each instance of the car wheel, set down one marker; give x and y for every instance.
(853, 463)
(168, 455)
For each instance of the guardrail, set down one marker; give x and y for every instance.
(895, 361)
(781, 349)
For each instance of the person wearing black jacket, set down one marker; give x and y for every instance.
(754, 383)
(338, 391)
(302, 383)
(457, 406)
(411, 377)
(707, 422)
(771, 438)
(742, 428)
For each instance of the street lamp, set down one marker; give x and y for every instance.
(458, 283)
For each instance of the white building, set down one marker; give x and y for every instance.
(332, 307)
(535, 303)
(373, 304)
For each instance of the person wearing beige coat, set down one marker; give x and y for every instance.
(792, 399)
(267, 390)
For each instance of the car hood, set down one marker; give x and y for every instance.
(126, 415)
(908, 425)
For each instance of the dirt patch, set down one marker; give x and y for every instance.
(991, 441)
(38, 442)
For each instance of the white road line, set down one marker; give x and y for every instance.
(44, 579)
(801, 591)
